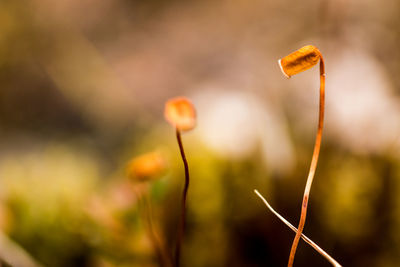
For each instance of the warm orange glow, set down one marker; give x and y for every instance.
(146, 166)
(300, 60)
(181, 113)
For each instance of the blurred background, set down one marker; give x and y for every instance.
(82, 92)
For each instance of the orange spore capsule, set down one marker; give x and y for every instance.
(300, 60)
(180, 113)
(146, 166)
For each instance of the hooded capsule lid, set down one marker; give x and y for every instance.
(300, 60)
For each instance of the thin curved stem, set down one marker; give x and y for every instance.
(146, 215)
(305, 238)
(158, 243)
(313, 166)
(182, 222)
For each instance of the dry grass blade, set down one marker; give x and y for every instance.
(305, 238)
(15, 255)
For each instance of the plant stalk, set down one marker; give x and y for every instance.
(313, 166)
(158, 244)
(182, 221)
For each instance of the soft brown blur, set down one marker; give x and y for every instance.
(82, 91)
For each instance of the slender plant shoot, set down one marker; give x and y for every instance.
(181, 114)
(296, 62)
(142, 170)
(305, 238)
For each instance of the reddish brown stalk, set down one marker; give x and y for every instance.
(182, 222)
(313, 166)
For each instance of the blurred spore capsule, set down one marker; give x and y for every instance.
(180, 113)
(147, 166)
